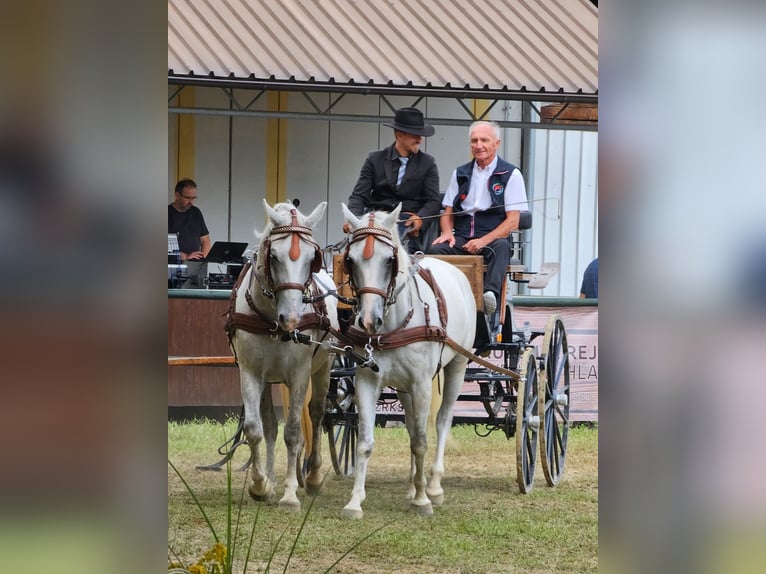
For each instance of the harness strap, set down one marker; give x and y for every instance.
(395, 339)
(483, 362)
(441, 305)
(400, 336)
(260, 325)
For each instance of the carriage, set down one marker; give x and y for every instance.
(526, 394)
(289, 296)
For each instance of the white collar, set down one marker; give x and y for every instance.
(490, 168)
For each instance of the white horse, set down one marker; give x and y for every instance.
(398, 313)
(268, 314)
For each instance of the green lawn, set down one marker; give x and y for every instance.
(485, 524)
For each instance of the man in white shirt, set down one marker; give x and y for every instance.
(482, 206)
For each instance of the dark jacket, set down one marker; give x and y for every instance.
(376, 190)
(482, 222)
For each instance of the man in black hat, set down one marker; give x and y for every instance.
(401, 173)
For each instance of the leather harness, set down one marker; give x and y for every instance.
(259, 324)
(402, 335)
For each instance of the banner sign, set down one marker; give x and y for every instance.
(581, 326)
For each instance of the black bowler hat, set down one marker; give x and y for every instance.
(410, 120)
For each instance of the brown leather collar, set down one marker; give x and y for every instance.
(401, 336)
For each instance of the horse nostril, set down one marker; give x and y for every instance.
(360, 323)
(378, 322)
(281, 318)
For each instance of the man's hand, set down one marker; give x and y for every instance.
(193, 256)
(474, 246)
(445, 238)
(346, 227)
(415, 222)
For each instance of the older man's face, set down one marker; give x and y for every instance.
(484, 144)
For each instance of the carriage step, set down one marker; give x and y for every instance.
(479, 377)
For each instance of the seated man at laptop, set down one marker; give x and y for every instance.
(187, 221)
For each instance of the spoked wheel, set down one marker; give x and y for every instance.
(340, 421)
(342, 438)
(554, 401)
(527, 421)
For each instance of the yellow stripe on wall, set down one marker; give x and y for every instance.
(185, 145)
(276, 150)
(480, 107)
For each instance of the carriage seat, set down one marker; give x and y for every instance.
(517, 250)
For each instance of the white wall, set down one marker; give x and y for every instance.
(323, 159)
(563, 181)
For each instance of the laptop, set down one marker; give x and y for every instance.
(226, 252)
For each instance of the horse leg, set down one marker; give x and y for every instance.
(454, 374)
(417, 428)
(366, 397)
(262, 488)
(409, 421)
(270, 429)
(293, 440)
(320, 382)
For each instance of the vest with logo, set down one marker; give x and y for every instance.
(482, 222)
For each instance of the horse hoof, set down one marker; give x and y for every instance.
(267, 498)
(351, 514)
(436, 499)
(289, 505)
(312, 489)
(424, 510)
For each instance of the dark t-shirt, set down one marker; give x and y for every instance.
(190, 226)
(590, 280)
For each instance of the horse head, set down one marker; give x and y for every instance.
(287, 257)
(373, 259)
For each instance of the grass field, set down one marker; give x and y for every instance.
(485, 524)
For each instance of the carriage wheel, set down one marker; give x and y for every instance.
(342, 438)
(340, 421)
(527, 421)
(553, 406)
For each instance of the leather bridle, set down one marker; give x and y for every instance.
(297, 233)
(370, 235)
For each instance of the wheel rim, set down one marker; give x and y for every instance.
(527, 421)
(343, 446)
(554, 401)
(340, 422)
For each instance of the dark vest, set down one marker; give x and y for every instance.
(482, 222)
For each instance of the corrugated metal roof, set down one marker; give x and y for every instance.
(497, 45)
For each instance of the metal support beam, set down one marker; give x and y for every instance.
(391, 90)
(589, 127)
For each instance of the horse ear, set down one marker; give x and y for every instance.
(350, 217)
(392, 218)
(316, 215)
(272, 215)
